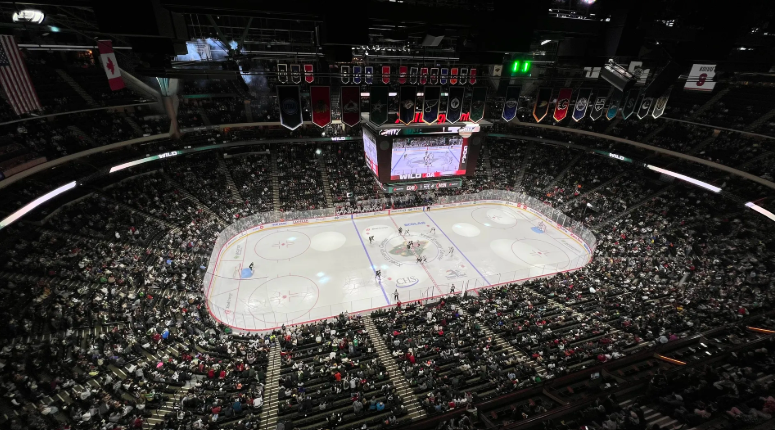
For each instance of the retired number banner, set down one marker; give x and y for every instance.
(430, 106)
(455, 104)
(290, 106)
(512, 103)
(563, 102)
(406, 103)
(541, 107)
(351, 105)
(320, 98)
(582, 103)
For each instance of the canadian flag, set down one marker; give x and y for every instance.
(110, 64)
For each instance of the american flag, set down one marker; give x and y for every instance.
(14, 78)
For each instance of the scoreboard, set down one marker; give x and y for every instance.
(410, 187)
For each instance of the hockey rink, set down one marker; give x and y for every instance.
(302, 272)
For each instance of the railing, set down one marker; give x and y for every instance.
(258, 321)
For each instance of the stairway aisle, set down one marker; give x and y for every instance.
(271, 390)
(235, 194)
(326, 184)
(402, 387)
(524, 163)
(77, 88)
(564, 171)
(275, 184)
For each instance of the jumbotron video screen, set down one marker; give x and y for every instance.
(428, 157)
(370, 150)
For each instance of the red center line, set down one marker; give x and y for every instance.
(421, 264)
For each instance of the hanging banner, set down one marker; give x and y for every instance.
(582, 102)
(357, 74)
(295, 73)
(444, 76)
(453, 78)
(413, 75)
(402, 74)
(631, 103)
(463, 76)
(430, 106)
(613, 105)
(478, 99)
(701, 78)
(424, 75)
(659, 106)
(23, 86)
(497, 70)
(406, 104)
(320, 99)
(563, 102)
(378, 104)
(351, 105)
(455, 103)
(290, 105)
(282, 73)
(308, 75)
(345, 73)
(385, 74)
(434, 75)
(472, 77)
(598, 108)
(541, 107)
(644, 107)
(369, 75)
(512, 103)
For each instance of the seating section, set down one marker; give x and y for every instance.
(301, 187)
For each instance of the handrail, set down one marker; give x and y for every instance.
(70, 112)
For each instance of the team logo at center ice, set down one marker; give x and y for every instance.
(404, 251)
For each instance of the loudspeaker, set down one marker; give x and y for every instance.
(618, 76)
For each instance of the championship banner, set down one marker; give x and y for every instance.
(659, 106)
(23, 84)
(472, 77)
(613, 106)
(455, 103)
(598, 108)
(628, 108)
(406, 104)
(424, 75)
(453, 78)
(444, 76)
(563, 102)
(478, 99)
(320, 98)
(582, 103)
(430, 106)
(345, 73)
(356, 74)
(308, 75)
(644, 107)
(701, 78)
(463, 76)
(413, 75)
(512, 103)
(385, 74)
(369, 75)
(295, 73)
(434, 75)
(282, 73)
(351, 105)
(402, 74)
(378, 104)
(541, 108)
(290, 105)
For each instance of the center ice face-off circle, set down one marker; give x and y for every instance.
(282, 245)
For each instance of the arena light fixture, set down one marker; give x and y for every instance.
(761, 210)
(692, 181)
(29, 16)
(35, 203)
(545, 42)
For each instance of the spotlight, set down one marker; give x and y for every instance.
(32, 16)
